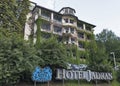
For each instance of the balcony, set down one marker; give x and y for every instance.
(80, 36)
(69, 22)
(89, 37)
(57, 19)
(45, 27)
(73, 41)
(88, 29)
(57, 30)
(46, 36)
(70, 31)
(80, 46)
(46, 15)
(70, 40)
(66, 42)
(80, 26)
(57, 22)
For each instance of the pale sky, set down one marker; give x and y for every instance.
(105, 14)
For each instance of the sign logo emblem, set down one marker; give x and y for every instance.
(42, 75)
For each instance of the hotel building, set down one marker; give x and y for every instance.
(65, 24)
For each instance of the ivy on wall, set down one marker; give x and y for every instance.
(73, 52)
(38, 32)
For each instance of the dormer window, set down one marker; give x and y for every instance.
(67, 10)
(71, 12)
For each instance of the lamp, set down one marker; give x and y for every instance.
(114, 59)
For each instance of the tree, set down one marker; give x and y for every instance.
(16, 56)
(13, 14)
(52, 52)
(110, 41)
(98, 59)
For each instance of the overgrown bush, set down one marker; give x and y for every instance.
(118, 75)
(16, 56)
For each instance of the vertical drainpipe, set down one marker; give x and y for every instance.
(84, 28)
(51, 24)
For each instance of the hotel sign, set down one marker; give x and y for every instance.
(87, 75)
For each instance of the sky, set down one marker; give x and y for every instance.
(105, 14)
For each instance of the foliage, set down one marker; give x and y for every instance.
(16, 56)
(118, 75)
(110, 41)
(52, 52)
(8, 16)
(22, 10)
(38, 32)
(115, 82)
(98, 59)
(13, 14)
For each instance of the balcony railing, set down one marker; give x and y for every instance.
(45, 27)
(45, 17)
(59, 33)
(82, 49)
(57, 21)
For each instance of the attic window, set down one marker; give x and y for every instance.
(66, 11)
(71, 11)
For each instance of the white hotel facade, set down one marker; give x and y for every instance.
(62, 23)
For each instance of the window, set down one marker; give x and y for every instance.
(67, 40)
(80, 45)
(59, 38)
(45, 14)
(57, 29)
(45, 26)
(46, 35)
(66, 20)
(57, 17)
(72, 39)
(88, 37)
(80, 26)
(88, 28)
(67, 29)
(71, 21)
(71, 11)
(73, 53)
(72, 30)
(66, 11)
(81, 35)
